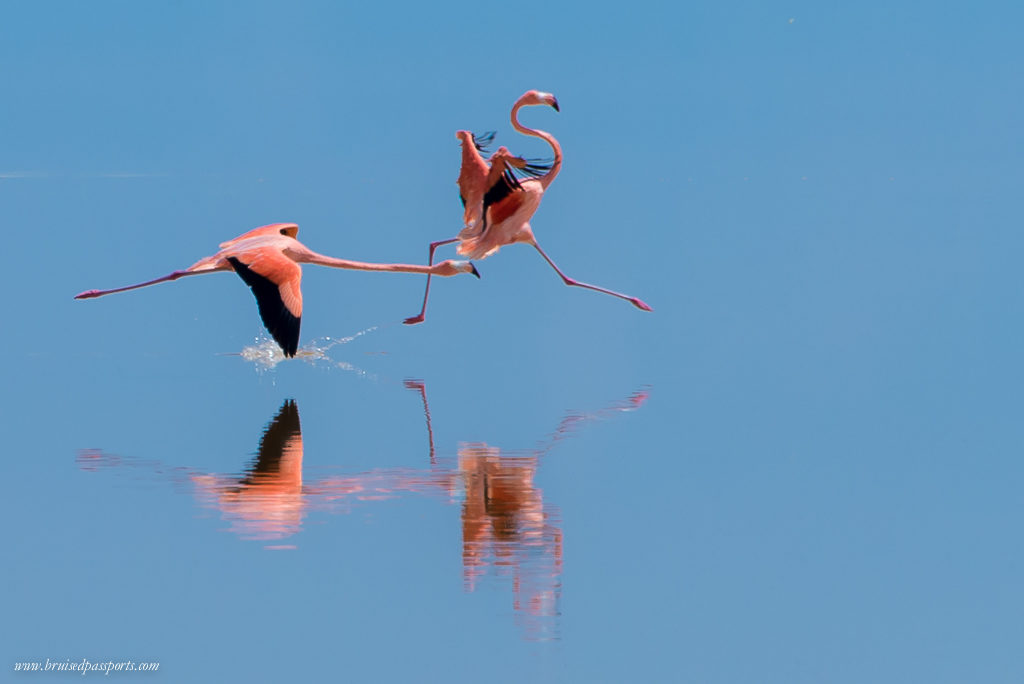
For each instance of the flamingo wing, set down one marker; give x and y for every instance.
(505, 196)
(472, 179)
(286, 229)
(275, 282)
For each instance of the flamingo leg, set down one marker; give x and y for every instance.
(635, 301)
(422, 389)
(89, 294)
(413, 320)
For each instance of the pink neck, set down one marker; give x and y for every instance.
(546, 179)
(314, 258)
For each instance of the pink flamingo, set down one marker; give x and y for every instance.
(499, 206)
(267, 259)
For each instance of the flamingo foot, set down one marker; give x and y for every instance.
(413, 320)
(640, 304)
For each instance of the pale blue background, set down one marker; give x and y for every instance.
(821, 204)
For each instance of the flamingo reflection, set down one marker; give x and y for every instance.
(267, 502)
(508, 528)
(505, 523)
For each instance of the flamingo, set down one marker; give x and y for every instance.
(498, 205)
(267, 259)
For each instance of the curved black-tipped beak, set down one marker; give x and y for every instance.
(554, 103)
(474, 271)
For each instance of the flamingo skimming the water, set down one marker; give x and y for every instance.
(267, 259)
(499, 205)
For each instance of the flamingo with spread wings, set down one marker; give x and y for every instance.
(267, 259)
(500, 198)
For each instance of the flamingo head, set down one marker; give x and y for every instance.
(537, 97)
(455, 266)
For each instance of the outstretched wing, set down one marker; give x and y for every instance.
(472, 177)
(275, 282)
(288, 229)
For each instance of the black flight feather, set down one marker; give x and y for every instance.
(534, 168)
(505, 186)
(480, 142)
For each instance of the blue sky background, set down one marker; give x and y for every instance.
(820, 203)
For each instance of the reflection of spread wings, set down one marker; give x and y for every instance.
(282, 436)
(266, 502)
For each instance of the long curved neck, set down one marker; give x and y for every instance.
(546, 179)
(312, 257)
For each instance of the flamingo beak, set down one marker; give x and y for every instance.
(554, 103)
(473, 270)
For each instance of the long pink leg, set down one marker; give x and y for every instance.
(419, 386)
(413, 320)
(635, 301)
(89, 294)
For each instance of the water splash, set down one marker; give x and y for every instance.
(265, 353)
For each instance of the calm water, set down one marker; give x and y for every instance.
(357, 516)
(803, 466)
(508, 530)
